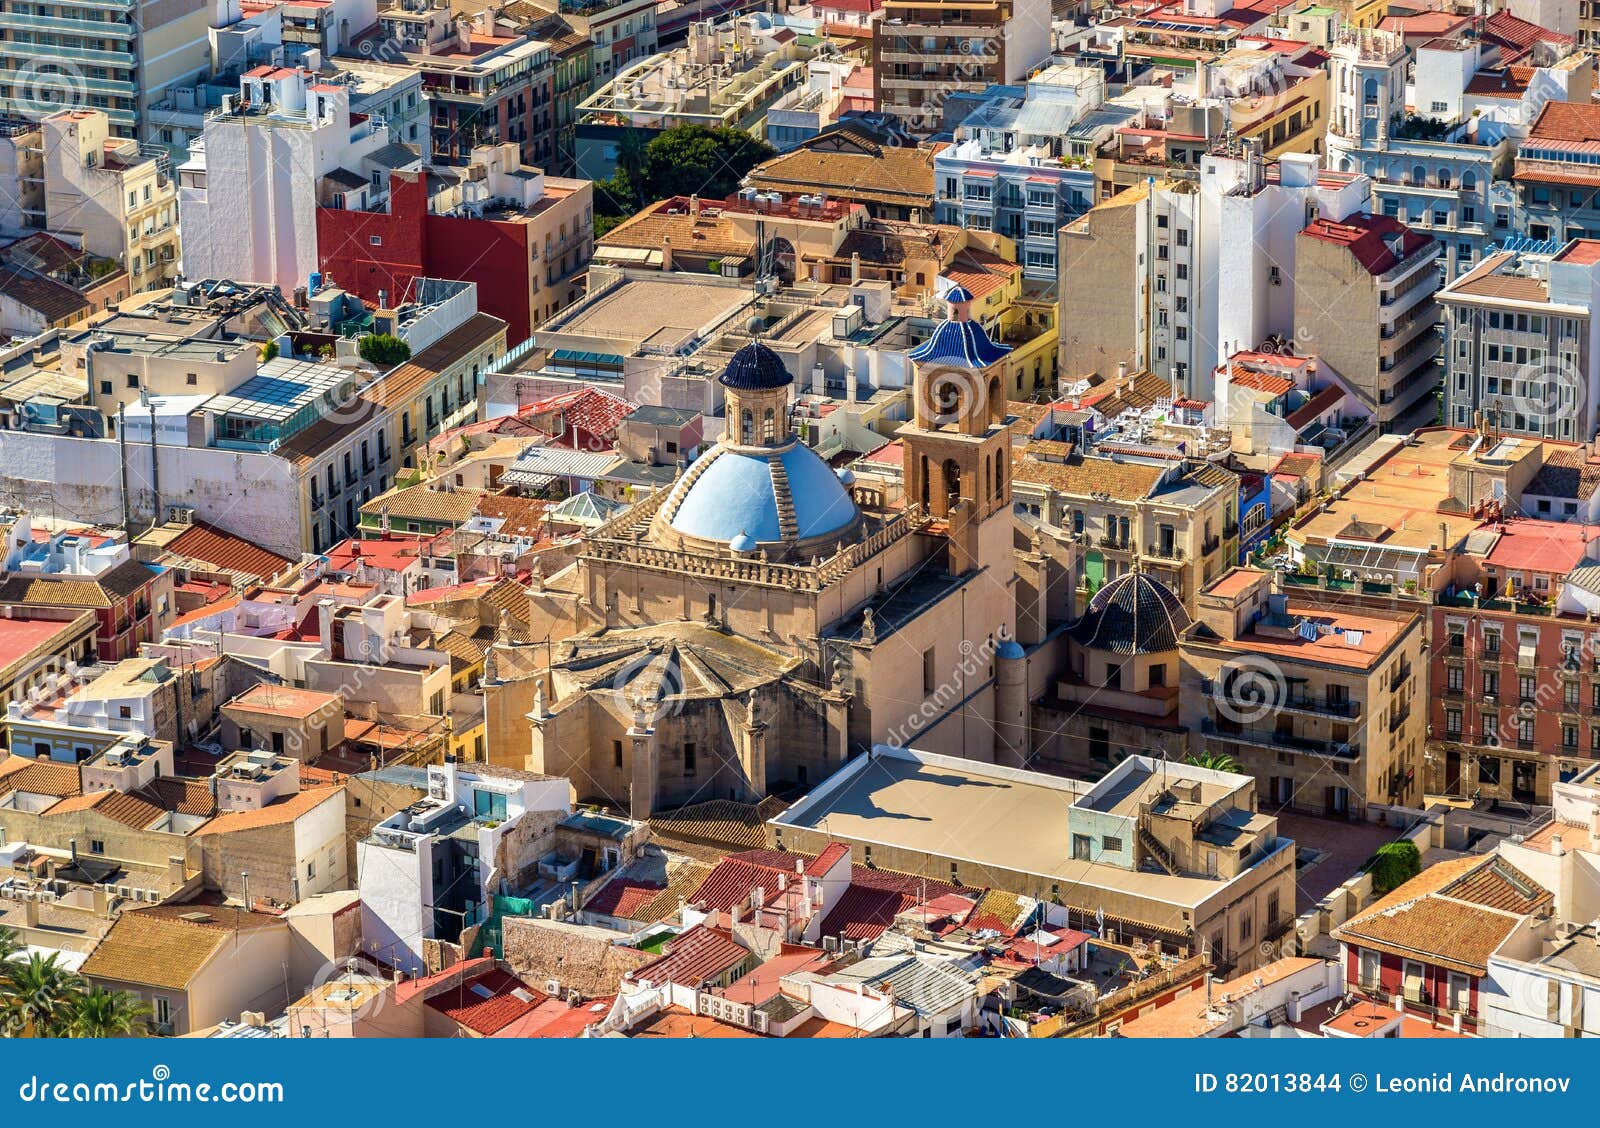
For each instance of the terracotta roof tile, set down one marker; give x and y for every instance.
(281, 811)
(39, 777)
(227, 551)
(486, 1004)
(157, 947)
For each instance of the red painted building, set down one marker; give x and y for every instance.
(1428, 942)
(131, 603)
(528, 259)
(1515, 666)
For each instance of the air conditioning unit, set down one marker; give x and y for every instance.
(552, 987)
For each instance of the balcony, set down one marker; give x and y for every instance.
(1295, 703)
(1280, 742)
(1165, 552)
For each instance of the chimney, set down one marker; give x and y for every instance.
(694, 206)
(855, 276)
(1556, 848)
(666, 254)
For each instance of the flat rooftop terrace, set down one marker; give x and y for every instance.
(973, 812)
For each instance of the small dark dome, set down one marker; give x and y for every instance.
(1133, 614)
(755, 368)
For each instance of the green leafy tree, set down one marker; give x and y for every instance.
(1394, 864)
(383, 349)
(685, 160)
(36, 996)
(99, 1013)
(690, 159)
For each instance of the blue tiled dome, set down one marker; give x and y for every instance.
(733, 497)
(962, 344)
(755, 368)
(959, 294)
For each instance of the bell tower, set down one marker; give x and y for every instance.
(957, 446)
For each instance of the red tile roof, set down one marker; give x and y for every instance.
(588, 413)
(1369, 238)
(622, 897)
(1514, 31)
(825, 861)
(1576, 122)
(697, 956)
(865, 911)
(487, 1003)
(227, 551)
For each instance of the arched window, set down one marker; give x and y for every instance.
(1469, 181)
(999, 475)
(769, 427)
(925, 486)
(952, 479)
(1419, 176)
(747, 427)
(997, 401)
(986, 468)
(1444, 178)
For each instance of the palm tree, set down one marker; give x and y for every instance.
(36, 995)
(9, 944)
(1216, 761)
(99, 1013)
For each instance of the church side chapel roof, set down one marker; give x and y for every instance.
(1133, 614)
(669, 660)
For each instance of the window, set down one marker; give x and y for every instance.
(616, 753)
(1491, 684)
(489, 805)
(688, 759)
(374, 240)
(97, 846)
(1111, 844)
(1082, 848)
(928, 677)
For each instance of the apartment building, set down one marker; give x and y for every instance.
(1363, 302)
(922, 52)
(184, 409)
(728, 75)
(1555, 175)
(1175, 275)
(525, 237)
(1436, 161)
(117, 56)
(1317, 700)
(1012, 171)
(103, 192)
(241, 214)
(1520, 343)
(1177, 520)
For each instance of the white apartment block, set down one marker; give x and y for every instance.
(248, 192)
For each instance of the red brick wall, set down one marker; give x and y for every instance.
(414, 244)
